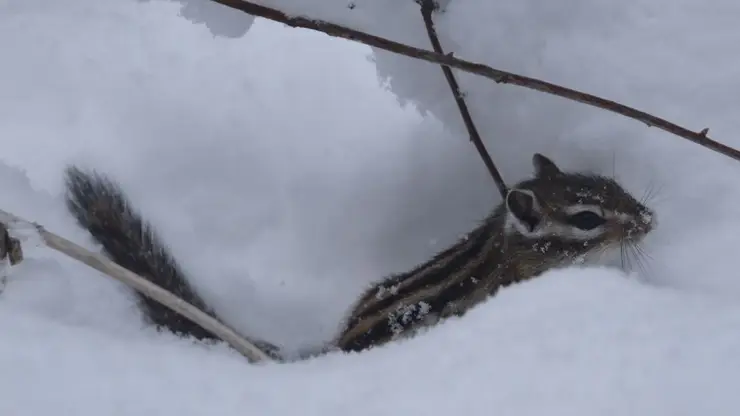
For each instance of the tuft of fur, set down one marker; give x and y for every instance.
(100, 206)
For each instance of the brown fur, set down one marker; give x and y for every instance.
(489, 258)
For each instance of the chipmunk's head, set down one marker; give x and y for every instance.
(579, 213)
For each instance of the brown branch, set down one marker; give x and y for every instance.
(427, 8)
(497, 75)
(143, 286)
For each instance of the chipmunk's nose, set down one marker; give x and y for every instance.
(640, 224)
(646, 221)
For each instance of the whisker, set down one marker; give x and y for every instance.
(638, 258)
(650, 192)
(642, 251)
(632, 258)
(648, 259)
(656, 200)
(627, 257)
(659, 190)
(641, 255)
(653, 194)
(646, 192)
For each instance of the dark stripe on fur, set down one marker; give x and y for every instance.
(464, 280)
(426, 275)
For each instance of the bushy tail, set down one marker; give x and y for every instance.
(101, 207)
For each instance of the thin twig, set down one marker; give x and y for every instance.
(497, 75)
(144, 286)
(427, 8)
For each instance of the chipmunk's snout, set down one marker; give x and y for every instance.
(648, 220)
(641, 224)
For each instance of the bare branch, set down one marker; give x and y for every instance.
(145, 287)
(497, 75)
(427, 9)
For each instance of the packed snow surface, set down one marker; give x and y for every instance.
(287, 170)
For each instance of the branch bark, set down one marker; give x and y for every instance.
(427, 9)
(147, 288)
(502, 77)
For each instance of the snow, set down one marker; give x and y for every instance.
(285, 178)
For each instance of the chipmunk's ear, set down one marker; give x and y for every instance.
(524, 208)
(544, 167)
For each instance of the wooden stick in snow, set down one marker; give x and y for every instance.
(138, 283)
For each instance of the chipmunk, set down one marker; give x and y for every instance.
(554, 219)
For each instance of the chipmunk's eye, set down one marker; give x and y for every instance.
(586, 220)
